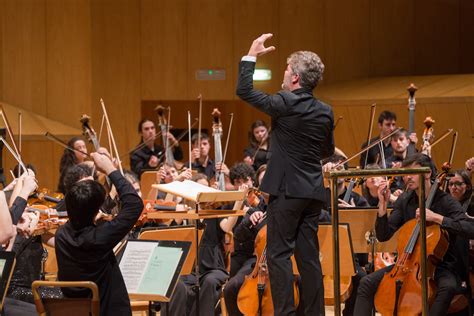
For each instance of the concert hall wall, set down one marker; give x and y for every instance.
(59, 57)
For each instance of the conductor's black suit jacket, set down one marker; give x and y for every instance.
(302, 135)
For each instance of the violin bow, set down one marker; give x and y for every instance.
(55, 139)
(109, 128)
(200, 120)
(337, 122)
(446, 134)
(189, 139)
(19, 137)
(14, 154)
(367, 148)
(7, 126)
(369, 135)
(228, 136)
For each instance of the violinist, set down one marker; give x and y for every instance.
(370, 188)
(71, 158)
(130, 176)
(460, 188)
(201, 161)
(405, 208)
(149, 156)
(302, 135)
(243, 258)
(354, 199)
(79, 241)
(256, 154)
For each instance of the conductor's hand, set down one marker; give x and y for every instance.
(258, 46)
(256, 218)
(103, 163)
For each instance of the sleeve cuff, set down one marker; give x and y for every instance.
(249, 58)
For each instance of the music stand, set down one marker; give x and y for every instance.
(151, 269)
(326, 257)
(361, 222)
(200, 195)
(177, 233)
(7, 264)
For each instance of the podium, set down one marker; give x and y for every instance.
(201, 196)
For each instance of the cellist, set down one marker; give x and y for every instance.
(404, 209)
(243, 258)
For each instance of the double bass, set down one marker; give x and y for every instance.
(399, 293)
(255, 297)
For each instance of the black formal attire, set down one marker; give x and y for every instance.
(87, 254)
(139, 158)
(209, 169)
(242, 260)
(261, 155)
(374, 154)
(447, 276)
(302, 135)
(213, 273)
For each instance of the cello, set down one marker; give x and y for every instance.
(255, 297)
(399, 293)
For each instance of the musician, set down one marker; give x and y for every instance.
(148, 157)
(200, 156)
(460, 188)
(302, 135)
(405, 208)
(355, 199)
(71, 158)
(243, 258)
(79, 241)
(400, 144)
(257, 154)
(370, 188)
(470, 165)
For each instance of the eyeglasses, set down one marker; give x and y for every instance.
(455, 184)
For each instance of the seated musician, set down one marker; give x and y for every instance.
(256, 154)
(387, 123)
(148, 157)
(370, 188)
(355, 199)
(212, 269)
(243, 258)
(79, 242)
(200, 156)
(405, 208)
(71, 158)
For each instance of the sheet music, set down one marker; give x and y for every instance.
(187, 189)
(133, 263)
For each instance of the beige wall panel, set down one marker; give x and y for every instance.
(301, 27)
(437, 36)
(164, 49)
(2, 10)
(210, 46)
(116, 68)
(250, 20)
(466, 30)
(43, 155)
(391, 37)
(68, 58)
(24, 47)
(346, 39)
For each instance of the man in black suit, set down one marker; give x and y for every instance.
(302, 135)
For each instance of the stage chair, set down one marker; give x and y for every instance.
(146, 180)
(66, 306)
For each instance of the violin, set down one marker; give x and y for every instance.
(45, 197)
(255, 297)
(44, 220)
(400, 289)
(154, 206)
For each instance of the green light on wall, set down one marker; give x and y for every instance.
(262, 74)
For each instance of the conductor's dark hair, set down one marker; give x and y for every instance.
(83, 202)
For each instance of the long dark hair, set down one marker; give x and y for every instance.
(68, 159)
(140, 124)
(252, 140)
(467, 180)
